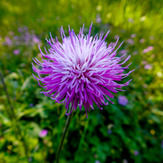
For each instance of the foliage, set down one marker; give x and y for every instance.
(132, 133)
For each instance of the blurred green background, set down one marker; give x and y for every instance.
(121, 133)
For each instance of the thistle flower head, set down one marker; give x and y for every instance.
(122, 100)
(43, 133)
(82, 70)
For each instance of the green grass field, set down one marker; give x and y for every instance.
(117, 134)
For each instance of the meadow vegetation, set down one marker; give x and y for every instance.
(121, 132)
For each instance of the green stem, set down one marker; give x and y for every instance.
(69, 118)
(14, 118)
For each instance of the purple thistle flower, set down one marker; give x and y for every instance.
(136, 153)
(122, 100)
(116, 37)
(8, 41)
(43, 133)
(149, 48)
(98, 18)
(97, 161)
(131, 41)
(133, 35)
(148, 66)
(35, 39)
(16, 51)
(125, 161)
(109, 131)
(81, 71)
(31, 105)
(142, 40)
(162, 144)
